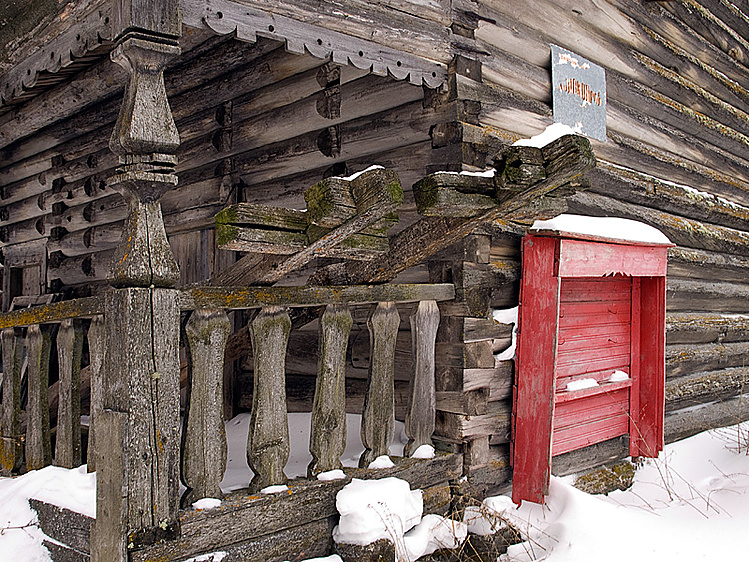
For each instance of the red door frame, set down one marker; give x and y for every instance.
(546, 260)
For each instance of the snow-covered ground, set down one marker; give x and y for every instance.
(691, 504)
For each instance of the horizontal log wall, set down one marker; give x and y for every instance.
(256, 124)
(676, 157)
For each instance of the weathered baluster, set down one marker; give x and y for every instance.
(378, 418)
(69, 351)
(96, 350)
(204, 436)
(38, 444)
(11, 448)
(328, 431)
(268, 438)
(421, 397)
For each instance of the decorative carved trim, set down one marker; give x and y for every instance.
(226, 16)
(91, 35)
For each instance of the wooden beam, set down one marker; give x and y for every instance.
(566, 159)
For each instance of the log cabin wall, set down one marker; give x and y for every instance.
(260, 124)
(676, 157)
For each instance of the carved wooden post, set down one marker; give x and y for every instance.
(69, 349)
(11, 448)
(268, 438)
(96, 351)
(204, 435)
(138, 437)
(38, 444)
(378, 418)
(328, 431)
(421, 397)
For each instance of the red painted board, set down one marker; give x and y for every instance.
(595, 431)
(651, 409)
(579, 258)
(537, 343)
(596, 289)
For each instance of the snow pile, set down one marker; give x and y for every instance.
(423, 452)
(581, 384)
(207, 503)
(612, 228)
(383, 461)
(550, 134)
(507, 316)
(336, 474)
(376, 509)
(618, 376)
(388, 509)
(20, 538)
(274, 489)
(690, 504)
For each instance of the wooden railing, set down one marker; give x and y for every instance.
(204, 449)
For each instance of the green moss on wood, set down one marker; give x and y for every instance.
(617, 476)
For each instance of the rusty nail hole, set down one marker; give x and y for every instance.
(271, 28)
(399, 63)
(219, 15)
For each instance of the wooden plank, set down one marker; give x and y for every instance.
(69, 352)
(97, 348)
(596, 431)
(109, 531)
(243, 297)
(204, 448)
(245, 515)
(652, 366)
(533, 411)
(53, 312)
(38, 442)
(421, 402)
(68, 527)
(268, 438)
(328, 424)
(587, 259)
(11, 447)
(378, 416)
(682, 359)
(589, 457)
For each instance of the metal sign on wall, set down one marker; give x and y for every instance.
(579, 93)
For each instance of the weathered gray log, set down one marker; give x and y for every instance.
(328, 429)
(378, 417)
(421, 401)
(682, 231)
(689, 421)
(204, 446)
(11, 447)
(69, 351)
(38, 443)
(67, 527)
(108, 532)
(706, 296)
(268, 437)
(697, 388)
(97, 348)
(684, 359)
(684, 327)
(141, 379)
